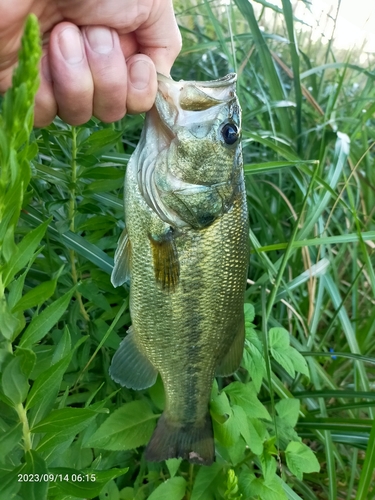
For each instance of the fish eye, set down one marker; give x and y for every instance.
(230, 133)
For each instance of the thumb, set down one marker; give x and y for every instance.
(159, 38)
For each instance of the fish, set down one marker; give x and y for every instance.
(185, 253)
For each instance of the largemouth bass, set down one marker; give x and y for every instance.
(185, 249)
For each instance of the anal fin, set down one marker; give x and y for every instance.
(165, 261)
(232, 359)
(121, 270)
(130, 367)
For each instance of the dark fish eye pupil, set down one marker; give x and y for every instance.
(229, 133)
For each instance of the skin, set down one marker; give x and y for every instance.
(100, 57)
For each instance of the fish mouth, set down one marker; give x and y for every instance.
(184, 103)
(197, 95)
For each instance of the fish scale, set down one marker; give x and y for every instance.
(187, 260)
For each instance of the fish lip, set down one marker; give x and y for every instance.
(224, 81)
(192, 96)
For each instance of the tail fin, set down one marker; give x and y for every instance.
(192, 442)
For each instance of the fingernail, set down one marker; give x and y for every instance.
(140, 74)
(100, 39)
(71, 47)
(45, 69)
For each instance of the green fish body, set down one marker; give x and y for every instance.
(185, 250)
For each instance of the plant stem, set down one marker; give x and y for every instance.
(72, 207)
(25, 426)
(191, 481)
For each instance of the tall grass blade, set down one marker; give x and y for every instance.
(275, 85)
(367, 473)
(293, 46)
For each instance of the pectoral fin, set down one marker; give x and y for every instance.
(165, 261)
(121, 270)
(231, 361)
(130, 367)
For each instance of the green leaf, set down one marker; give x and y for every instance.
(171, 489)
(206, 482)
(249, 315)
(257, 431)
(227, 432)
(233, 454)
(73, 241)
(48, 383)
(285, 432)
(278, 339)
(10, 324)
(86, 483)
(245, 395)
(269, 466)
(100, 141)
(300, 459)
(271, 490)
(253, 361)
(15, 289)
(73, 421)
(9, 440)
(40, 325)
(173, 465)
(241, 422)
(36, 296)
(63, 347)
(103, 185)
(103, 173)
(219, 405)
(283, 358)
(244, 425)
(64, 420)
(35, 465)
(126, 428)
(288, 410)
(127, 493)
(288, 357)
(14, 381)
(9, 483)
(24, 253)
(111, 491)
(28, 359)
(91, 291)
(299, 362)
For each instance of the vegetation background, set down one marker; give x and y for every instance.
(296, 420)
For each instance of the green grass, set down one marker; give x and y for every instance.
(308, 140)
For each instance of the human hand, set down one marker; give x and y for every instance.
(100, 57)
